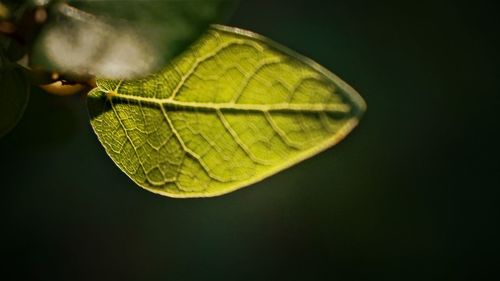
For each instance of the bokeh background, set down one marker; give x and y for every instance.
(409, 195)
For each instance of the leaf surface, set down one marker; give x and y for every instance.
(232, 110)
(121, 38)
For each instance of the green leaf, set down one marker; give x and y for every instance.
(14, 94)
(121, 39)
(234, 109)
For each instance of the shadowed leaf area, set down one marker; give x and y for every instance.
(232, 110)
(14, 94)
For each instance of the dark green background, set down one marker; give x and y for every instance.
(409, 195)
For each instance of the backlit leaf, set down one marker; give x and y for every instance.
(232, 110)
(121, 38)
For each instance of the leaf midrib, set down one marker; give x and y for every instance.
(279, 107)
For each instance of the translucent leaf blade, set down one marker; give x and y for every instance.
(232, 110)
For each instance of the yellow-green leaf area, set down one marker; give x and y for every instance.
(232, 110)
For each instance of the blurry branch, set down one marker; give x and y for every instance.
(24, 33)
(9, 29)
(26, 28)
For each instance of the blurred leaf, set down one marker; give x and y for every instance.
(12, 49)
(54, 120)
(122, 38)
(231, 111)
(14, 94)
